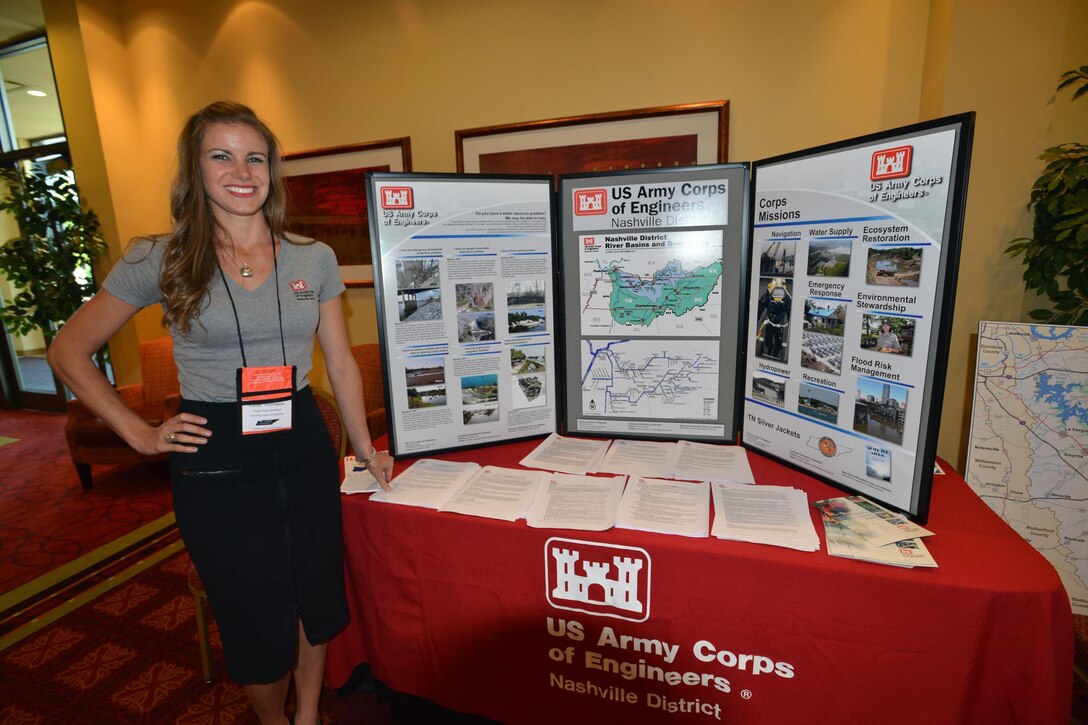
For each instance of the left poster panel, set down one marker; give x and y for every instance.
(464, 283)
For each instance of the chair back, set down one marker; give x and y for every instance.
(158, 371)
(330, 412)
(369, 359)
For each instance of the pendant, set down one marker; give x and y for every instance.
(246, 270)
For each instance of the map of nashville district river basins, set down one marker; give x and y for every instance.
(643, 377)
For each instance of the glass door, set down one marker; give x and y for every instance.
(31, 132)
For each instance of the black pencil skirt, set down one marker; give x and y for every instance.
(260, 517)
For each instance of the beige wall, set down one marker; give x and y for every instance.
(796, 73)
(1002, 60)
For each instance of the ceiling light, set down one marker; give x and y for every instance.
(40, 94)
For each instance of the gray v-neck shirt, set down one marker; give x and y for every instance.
(208, 357)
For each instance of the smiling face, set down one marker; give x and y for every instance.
(234, 170)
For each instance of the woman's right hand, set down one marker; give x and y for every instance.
(181, 434)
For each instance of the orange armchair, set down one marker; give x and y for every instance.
(368, 358)
(91, 441)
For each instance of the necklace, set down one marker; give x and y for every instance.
(244, 269)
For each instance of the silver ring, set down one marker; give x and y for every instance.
(169, 436)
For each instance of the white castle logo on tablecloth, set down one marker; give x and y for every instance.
(620, 592)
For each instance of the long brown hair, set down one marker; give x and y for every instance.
(189, 261)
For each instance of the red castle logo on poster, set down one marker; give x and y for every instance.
(588, 242)
(590, 201)
(600, 579)
(891, 163)
(397, 197)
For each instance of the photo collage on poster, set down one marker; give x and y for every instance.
(846, 272)
(465, 286)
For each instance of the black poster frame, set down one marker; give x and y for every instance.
(394, 410)
(941, 318)
(732, 252)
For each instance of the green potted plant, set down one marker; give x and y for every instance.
(50, 261)
(1056, 253)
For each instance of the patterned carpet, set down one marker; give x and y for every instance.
(46, 518)
(127, 653)
(97, 624)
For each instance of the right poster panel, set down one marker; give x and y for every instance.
(854, 256)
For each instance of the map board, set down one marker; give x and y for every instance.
(1028, 452)
(855, 248)
(464, 286)
(653, 264)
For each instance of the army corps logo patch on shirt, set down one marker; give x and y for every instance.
(302, 290)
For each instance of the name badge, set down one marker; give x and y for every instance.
(265, 398)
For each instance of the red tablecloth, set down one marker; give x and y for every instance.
(456, 609)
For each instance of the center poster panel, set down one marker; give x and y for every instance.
(653, 263)
(464, 289)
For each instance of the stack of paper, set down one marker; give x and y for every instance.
(497, 493)
(667, 507)
(640, 458)
(709, 462)
(576, 502)
(684, 460)
(857, 528)
(428, 483)
(566, 455)
(776, 515)
(465, 488)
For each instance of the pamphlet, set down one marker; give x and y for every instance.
(877, 525)
(667, 507)
(843, 542)
(585, 503)
(357, 479)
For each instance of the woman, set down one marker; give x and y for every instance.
(887, 341)
(259, 511)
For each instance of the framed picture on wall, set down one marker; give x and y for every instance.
(645, 138)
(327, 198)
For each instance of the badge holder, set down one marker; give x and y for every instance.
(266, 398)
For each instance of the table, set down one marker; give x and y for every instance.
(462, 611)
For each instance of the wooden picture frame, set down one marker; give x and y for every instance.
(662, 137)
(327, 198)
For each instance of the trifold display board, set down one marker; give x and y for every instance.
(464, 285)
(808, 307)
(855, 248)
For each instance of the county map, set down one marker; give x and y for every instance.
(1028, 455)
